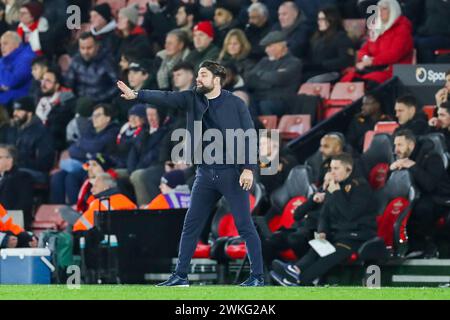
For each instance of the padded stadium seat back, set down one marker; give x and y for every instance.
(386, 127)
(292, 126)
(347, 91)
(316, 89)
(439, 144)
(355, 28)
(298, 183)
(223, 221)
(269, 122)
(376, 160)
(429, 111)
(314, 163)
(49, 213)
(395, 201)
(286, 219)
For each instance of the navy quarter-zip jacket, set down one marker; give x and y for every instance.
(231, 114)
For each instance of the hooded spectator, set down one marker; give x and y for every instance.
(390, 42)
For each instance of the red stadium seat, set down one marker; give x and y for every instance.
(269, 122)
(293, 126)
(342, 95)
(440, 52)
(316, 89)
(368, 137)
(429, 111)
(376, 160)
(386, 127)
(295, 191)
(48, 217)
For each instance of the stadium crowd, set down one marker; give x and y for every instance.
(64, 128)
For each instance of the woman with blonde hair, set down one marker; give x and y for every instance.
(236, 49)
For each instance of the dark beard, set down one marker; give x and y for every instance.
(203, 90)
(20, 122)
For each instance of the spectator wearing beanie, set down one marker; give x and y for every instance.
(132, 35)
(103, 27)
(137, 118)
(15, 68)
(35, 29)
(175, 193)
(204, 49)
(34, 143)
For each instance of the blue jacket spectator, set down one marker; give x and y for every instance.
(15, 68)
(92, 71)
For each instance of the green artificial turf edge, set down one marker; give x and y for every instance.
(149, 292)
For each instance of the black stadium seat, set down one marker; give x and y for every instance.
(440, 146)
(376, 160)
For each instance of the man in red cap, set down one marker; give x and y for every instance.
(204, 49)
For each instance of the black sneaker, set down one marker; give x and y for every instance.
(289, 271)
(253, 281)
(174, 281)
(282, 281)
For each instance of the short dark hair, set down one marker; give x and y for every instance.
(408, 134)
(108, 109)
(184, 65)
(55, 71)
(40, 60)
(408, 100)
(215, 68)
(445, 105)
(87, 35)
(190, 9)
(345, 158)
(11, 150)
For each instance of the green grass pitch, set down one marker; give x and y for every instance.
(149, 292)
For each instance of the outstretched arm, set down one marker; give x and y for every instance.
(160, 98)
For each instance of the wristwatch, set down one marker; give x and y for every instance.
(135, 93)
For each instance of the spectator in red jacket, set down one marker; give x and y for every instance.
(390, 43)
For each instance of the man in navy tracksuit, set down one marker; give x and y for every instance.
(216, 109)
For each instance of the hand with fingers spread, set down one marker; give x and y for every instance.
(246, 179)
(127, 92)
